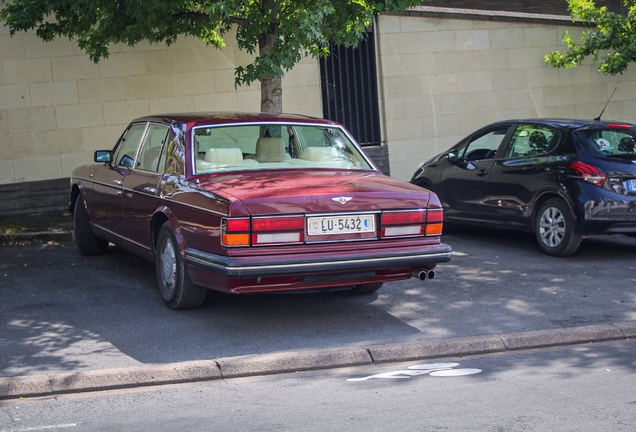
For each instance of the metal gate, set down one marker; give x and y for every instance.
(350, 89)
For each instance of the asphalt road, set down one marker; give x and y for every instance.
(64, 312)
(581, 388)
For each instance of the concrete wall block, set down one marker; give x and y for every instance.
(466, 40)
(54, 93)
(120, 113)
(227, 101)
(15, 146)
(416, 24)
(418, 64)
(168, 61)
(526, 98)
(388, 24)
(192, 83)
(512, 37)
(489, 59)
(34, 47)
(250, 101)
(71, 161)
(31, 120)
(438, 84)
(80, 116)
(6, 171)
(543, 77)
(58, 142)
(455, 24)
(541, 36)
(37, 168)
(560, 96)
(404, 129)
(210, 58)
(523, 58)
(297, 98)
(582, 75)
(27, 71)
(458, 103)
(421, 106)
(102, 90)
(172, 104)
(401, 86)
(147, 86)
(100, 138)
(468, 123)
(493, 100)
(509, 79)
(11, 47)
(398, 43)
(390, 66)
(123, 65)
(436, 41)
(454, 61)
(470, 82)
(74, 68)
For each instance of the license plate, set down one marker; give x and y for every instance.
(631, 185)
(346, 224)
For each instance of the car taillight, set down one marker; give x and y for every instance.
(262, 230)
(587, 173)
(235, 232)
(618, 126)
(409, 223)
(278, 230)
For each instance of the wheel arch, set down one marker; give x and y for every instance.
(547, 195)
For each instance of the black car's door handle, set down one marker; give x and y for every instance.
(482, 173)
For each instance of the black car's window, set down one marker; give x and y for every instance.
(485, 145)
(150, 153)
(531, 139)
(127, 148)
(609, 141)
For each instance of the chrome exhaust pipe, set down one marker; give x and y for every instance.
(422, 274)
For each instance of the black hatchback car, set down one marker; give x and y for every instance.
(560, 179)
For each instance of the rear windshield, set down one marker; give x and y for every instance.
(609, 141)
(274, 146)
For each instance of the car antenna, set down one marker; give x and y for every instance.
(608, 101)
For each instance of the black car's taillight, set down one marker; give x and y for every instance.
(587, 173)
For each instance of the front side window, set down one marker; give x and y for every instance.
(274, 146)
(484, 146)
(128, 144)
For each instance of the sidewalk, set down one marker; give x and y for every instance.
(36, 228)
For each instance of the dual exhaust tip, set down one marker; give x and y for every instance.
(423, 274)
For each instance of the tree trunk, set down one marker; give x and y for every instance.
(272, 94)
(271, 85)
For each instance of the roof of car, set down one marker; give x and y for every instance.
(561, 122)
(232, 117)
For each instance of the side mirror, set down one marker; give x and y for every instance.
(452, 156)
(103, 156)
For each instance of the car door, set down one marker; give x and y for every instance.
(140, 186)
(109, 182)
(463, 185)
(516, 177)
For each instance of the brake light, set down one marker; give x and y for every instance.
(618, 126)
(403, 223)
(587, 173)
(278, 230)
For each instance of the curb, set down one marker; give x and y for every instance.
(296, 361)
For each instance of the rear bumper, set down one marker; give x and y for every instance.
(286, 265)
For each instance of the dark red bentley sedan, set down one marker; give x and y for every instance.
(245, 203)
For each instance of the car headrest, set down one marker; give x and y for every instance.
(224, 155)
(316, 154)
(270, 150)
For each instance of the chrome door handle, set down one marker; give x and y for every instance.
(118, 182)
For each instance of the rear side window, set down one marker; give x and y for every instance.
(608, 141)
(529, 139)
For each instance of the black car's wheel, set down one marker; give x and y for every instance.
(177, 290)
(85, 239)
(366, 288)
(555, 230)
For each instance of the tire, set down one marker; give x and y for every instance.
(369, 288)
(85, 239)
(555, 229)
(177, 290)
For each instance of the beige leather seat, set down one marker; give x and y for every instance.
(270, 150)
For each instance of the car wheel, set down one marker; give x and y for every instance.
(85, 239)
(555, 230)
(177, 290)
(366, 288)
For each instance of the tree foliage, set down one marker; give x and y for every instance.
(279, 32)
(612, 38)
